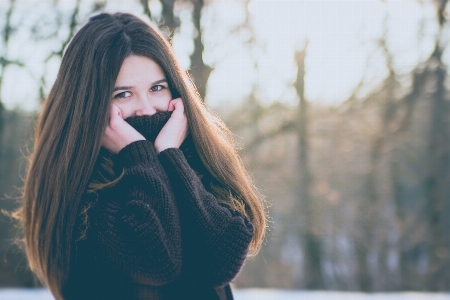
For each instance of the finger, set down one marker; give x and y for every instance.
(115, 110)
(116, 114)
(110, 112)
(179, 107)
(171, 106)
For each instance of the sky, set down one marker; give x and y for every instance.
(342, 47)
(341, 51)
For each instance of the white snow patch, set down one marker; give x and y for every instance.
(270, 294)
(260, 294)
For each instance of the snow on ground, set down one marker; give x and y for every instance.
(260, 294)
(267, 294)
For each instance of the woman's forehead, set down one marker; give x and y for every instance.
(139, 69)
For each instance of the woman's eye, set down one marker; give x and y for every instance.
(156, 88)
(122, 95)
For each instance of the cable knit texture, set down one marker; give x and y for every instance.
(159, 233)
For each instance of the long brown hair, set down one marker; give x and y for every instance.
(71, 125)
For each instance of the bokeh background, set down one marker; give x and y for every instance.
(340, 110)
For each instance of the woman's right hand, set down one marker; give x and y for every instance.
(175, 131)
(119, 133)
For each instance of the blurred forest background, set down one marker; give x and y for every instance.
(357, 189)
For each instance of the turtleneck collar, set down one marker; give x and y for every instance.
(149, 126)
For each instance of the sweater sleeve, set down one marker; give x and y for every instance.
(137, 229)
(215, 237)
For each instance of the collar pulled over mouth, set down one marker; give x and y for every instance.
(149, 126)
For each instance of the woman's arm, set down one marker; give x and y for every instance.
(137, 230)
(216, 239)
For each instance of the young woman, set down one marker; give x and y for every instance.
(134, 189)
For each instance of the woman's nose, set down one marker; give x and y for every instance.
(144, 107)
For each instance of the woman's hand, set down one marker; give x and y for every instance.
(175, 130)
(119, 133)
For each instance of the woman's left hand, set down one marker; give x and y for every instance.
(175, 130)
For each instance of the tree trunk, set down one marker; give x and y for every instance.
(199, 70)
(436, 182)
(313, 277)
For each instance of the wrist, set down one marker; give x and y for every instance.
(132, 141)
(162, 148)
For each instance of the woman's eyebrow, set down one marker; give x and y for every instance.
(118, 88)
(159, 81)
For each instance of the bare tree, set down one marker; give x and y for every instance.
(311, 235)
(437, 178)
(170, 23)
(199, 70)
(7, 32)
(72, 26)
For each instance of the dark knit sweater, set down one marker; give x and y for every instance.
(159, 233)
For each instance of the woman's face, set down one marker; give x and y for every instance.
(141, 87)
